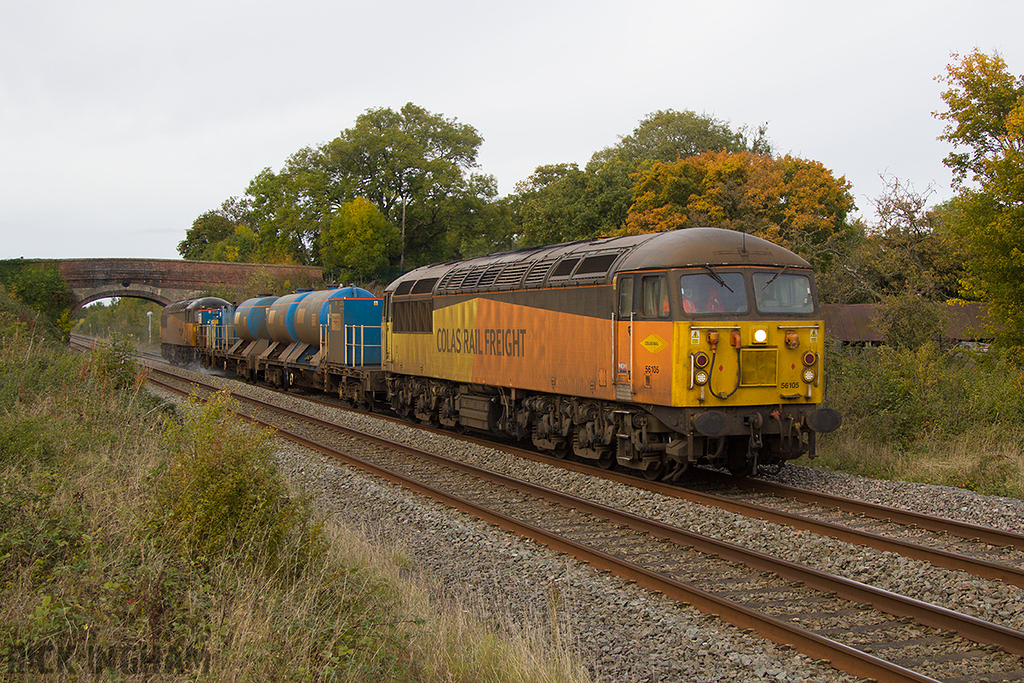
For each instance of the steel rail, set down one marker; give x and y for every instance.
(969, 627)
(966, 530)
(941, 558)
(939, 524)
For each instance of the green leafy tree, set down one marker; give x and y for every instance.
(552, 205)
(39, 285)
(985, 116)
(359, 242)
(226, 234)
(241, 246)
(288, 210)
(667, 135)
(414, 165)
(908, 320)
(210, 228)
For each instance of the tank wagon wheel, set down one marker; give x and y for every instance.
(345, 401)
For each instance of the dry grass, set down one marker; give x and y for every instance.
(985, 459)
(456, 641)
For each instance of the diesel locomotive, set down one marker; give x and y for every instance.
(653, 352)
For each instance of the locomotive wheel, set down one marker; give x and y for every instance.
(606, 461)
(654, 472)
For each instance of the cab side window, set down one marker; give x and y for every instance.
(654, 296)
(625, 298)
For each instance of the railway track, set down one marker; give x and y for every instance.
(827, 617)
(981, 551)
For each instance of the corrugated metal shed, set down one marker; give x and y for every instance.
(854, 322)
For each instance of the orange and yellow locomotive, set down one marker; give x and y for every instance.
(656, 352)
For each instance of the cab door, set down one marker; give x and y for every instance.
(651, 339)
(624, 339)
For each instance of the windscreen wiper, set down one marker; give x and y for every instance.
(718, 278)
(784, 269)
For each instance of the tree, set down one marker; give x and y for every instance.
(912, 257)
(560, 202)
(359, 242)
(242, 246)
(209, 228)
(790, 201)
(908, 320)
(903, 255)
(667, 135)
(288, 211)
(986, 219)
(410, 163)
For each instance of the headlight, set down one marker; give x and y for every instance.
(760, 335)
(701, 377)
(808, 375)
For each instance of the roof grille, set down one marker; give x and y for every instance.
(425, 286)
(473, 277)
(490, 275)
(535, 278)
(512, 275)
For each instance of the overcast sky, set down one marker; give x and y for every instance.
(122, 121)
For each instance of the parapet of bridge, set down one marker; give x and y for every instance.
(164, 281)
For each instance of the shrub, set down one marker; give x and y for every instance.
(222, 495)
(39, 285)
(897, 395)
(112, 365)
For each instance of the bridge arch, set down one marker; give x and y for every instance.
(86, 297)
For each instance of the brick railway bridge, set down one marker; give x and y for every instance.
(164, 281)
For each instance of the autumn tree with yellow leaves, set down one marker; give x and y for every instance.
(793, 202)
